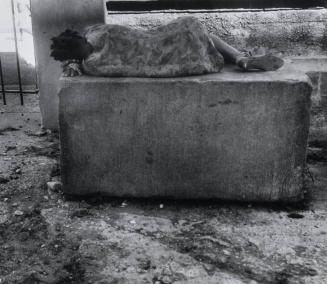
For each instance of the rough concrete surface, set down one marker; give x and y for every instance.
(47, 238)
(316, 69)
(287, 32)
(232, 135)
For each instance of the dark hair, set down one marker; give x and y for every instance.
(68, 45)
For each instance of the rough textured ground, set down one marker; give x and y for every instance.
(47, 238)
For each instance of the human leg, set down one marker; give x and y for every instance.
(267, 62)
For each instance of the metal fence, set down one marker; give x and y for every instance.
(20, 90)
(149, 5)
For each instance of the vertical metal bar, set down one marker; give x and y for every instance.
(17, 55)
(2, 84)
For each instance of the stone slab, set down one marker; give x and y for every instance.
(316, 68)
(232, 135)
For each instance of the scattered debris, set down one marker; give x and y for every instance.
(295, 215)
(10, 148)
(54, 186)
(36, 134)
(7, 129)
(51, 150)
(18, 213)
(4, 179)
(124, 204)
(214, 240)
(82, 212)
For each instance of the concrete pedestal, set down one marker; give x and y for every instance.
(232, 135)
(49, 19)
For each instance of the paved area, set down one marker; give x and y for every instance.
(46, 237)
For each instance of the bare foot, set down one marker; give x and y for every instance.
(267, 62)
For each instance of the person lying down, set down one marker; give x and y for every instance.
(180, 48)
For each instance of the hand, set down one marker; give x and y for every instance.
(71, 68)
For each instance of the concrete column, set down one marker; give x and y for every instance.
(49, 18)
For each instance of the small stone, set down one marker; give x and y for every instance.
(5, 199)
(18, 213)
(124, 204)
(130, 269)
(161, 206)
(41, 133)
(80, 213)
(10, 148)
(226, 252)
(54, 186)
(166, 280)
(182, 222)
(4, 179)
(15, 204)
(133, 222)
(295, 215)
(18, 171)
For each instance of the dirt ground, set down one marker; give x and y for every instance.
(46, 237)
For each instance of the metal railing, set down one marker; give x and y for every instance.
(150, 5)
(20, 89)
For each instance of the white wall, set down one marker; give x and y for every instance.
(49, 19)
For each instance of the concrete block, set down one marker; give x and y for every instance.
(231, 135)
(288, 32)
(316, 69)
(49, 19)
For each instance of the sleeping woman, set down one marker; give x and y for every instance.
(180, 48)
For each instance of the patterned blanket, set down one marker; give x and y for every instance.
(179, 48)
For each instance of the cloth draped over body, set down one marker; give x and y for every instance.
(179, 48)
